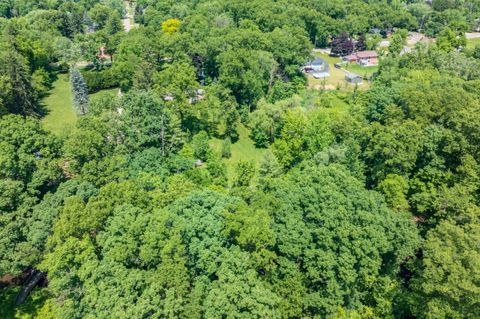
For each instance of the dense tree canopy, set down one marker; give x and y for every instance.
(215, 180)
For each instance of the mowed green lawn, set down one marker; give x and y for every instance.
(243, 149)
(61, 117)
(471, 43)
(364, 71)
(100, 94)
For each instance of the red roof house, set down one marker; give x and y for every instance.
(363, 58)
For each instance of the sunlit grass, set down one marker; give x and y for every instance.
(60, 118)
(243, 149)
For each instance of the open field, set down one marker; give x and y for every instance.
(61, 117)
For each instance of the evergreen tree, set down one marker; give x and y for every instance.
(80, 92)
(16, 90)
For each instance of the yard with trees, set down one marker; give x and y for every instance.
(165, 159)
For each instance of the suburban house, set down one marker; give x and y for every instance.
(353, 78)
(365, 58)
(317, 65)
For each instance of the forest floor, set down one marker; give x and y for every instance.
(61, 117)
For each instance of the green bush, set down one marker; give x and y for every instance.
(100, 80)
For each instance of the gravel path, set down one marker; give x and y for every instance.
(126, 20)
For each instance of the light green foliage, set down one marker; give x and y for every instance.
(301, 137)
(244, 173)
(269, 166)
(61, 117)
(395, 189)
(201, 148)
(235, 280)
(226, 148)
(396, 44)
(448, 40)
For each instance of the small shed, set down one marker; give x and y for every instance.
(353, 78)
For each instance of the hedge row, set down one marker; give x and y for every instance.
(100, 80)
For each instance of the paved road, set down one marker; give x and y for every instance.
(126, 24)
(472, 35)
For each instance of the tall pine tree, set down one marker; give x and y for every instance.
(80, 91)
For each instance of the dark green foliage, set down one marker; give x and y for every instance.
(29, 168)
(363, 205)
(320, 213)
(446, 285)
(17, 94)
(101, 80)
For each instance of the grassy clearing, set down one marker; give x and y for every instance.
(243, 149)
(61, 117)
(102, 93)
(365, 71)
(471, 43)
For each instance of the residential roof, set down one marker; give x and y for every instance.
(317, 61)
(350, 57)
(321, 75)
(367, 54)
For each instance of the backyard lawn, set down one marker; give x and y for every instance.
(364, 71)
(471, 43)
(101, 93)
(60, 117)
